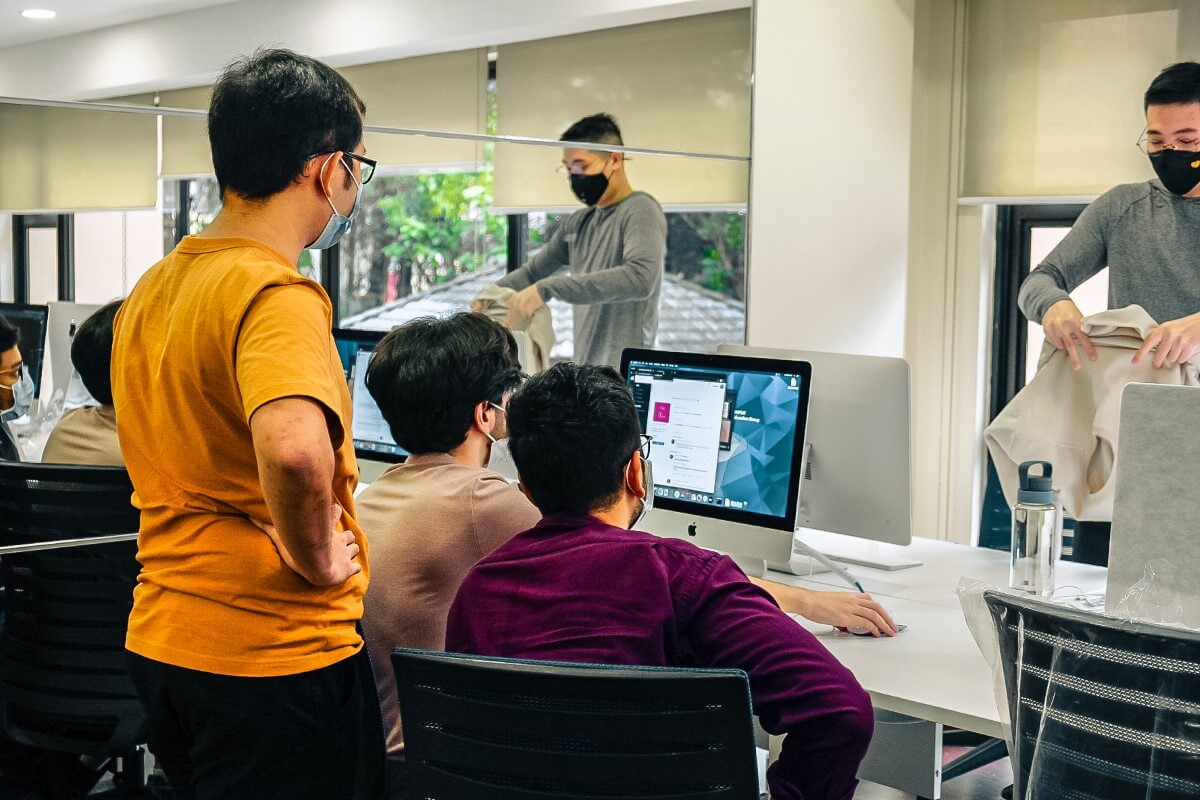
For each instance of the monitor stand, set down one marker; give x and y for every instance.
(847, 550)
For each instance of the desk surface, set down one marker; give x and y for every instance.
(933, 670)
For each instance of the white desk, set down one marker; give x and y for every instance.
(933, 671)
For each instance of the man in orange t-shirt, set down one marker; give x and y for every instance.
(234, 418)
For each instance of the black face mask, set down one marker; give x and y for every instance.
(1179, 170)
(589, 188)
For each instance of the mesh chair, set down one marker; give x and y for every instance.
(63, 681)
(497, 729)
(1100, 708)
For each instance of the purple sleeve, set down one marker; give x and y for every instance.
(798, 688)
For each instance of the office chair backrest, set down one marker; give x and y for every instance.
(480, 728)
(63, 682)
(1100, 708)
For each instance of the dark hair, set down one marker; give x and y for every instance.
(271, 112)
(1178, 83)
(10, 335)
(572, 429)
(598, 128)
(428, 375)
(91, 352)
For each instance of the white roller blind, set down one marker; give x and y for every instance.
(1054, 91)
(59, 159)
(680, 84)
(443, 92)
(185, 150)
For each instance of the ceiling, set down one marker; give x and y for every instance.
(77, 16)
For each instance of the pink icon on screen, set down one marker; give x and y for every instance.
(662, 412)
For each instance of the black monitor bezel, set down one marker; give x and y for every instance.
(372, 338)
(729, 363)
(41, 367)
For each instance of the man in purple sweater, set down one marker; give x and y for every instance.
(582, 586)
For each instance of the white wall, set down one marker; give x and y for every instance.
(830, 175)
(113, 249)
(190, 48)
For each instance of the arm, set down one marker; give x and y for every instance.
(840, 609)
(295, 468)
(545, 262)
(797, 686)
(1079, 256)
(645, 248)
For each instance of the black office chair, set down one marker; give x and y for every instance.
(480, 728)
(63, 680)
(1102, 709)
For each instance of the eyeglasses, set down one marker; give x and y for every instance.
(1155, 144)
(579, 168)
(644, 447)
(366, 166)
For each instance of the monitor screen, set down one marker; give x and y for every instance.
(728, 433)
(31, 321)
(372, 438)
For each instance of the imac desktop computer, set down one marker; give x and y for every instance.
(858, 477)
(727, 449)
(30, 320)
(64, 319)
(372, 438)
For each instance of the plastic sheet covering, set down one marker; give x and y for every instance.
(32, 431)
(1093, 707)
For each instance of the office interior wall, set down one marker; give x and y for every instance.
(113, 250)
(832, 118)
(6, 271)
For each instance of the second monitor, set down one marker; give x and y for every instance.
(372, 436)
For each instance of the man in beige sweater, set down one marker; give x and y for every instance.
(441, 384)
(88, 435)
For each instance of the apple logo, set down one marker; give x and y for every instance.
(692, 529)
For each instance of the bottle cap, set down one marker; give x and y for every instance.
(1033, 488)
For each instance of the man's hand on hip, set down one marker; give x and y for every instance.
(1063, 326)
(1174, 343)
(523, 305)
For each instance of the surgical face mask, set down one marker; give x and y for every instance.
(647, 503)
(590, 188)
(1179, 170)
(338, 225)
(22, 392)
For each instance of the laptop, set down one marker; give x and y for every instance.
(1154, 554)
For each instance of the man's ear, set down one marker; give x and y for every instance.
(634, 477)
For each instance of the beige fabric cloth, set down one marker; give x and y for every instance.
(1071, 418)
(428, 521)
(535, 338)
(86, 436)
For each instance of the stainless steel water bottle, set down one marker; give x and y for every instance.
(1036, 531)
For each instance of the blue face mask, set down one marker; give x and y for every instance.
(338, 225)
(22, 392)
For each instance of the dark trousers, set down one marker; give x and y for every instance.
(301, 736)
(1091, 543)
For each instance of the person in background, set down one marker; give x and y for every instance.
(615, 248)
(441, 384)
(1148, 236)
(16, 387)
(234, 420)
(88, 435)
(584, 586)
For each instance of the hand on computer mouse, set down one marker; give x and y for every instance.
(850, 610)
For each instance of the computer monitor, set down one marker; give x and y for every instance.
(858, 480)
(372, 437)
(727, 451)
(65, 318)
(31, 321)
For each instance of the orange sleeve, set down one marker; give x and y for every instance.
(285, 349)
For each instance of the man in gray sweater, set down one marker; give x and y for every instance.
(1148, 235)
(615, 248)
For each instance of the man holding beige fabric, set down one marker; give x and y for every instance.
(1148, 235)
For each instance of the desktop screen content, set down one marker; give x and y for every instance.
(31, 322)
(720, 438)
(372, 437)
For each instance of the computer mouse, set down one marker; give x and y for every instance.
(867, 632)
